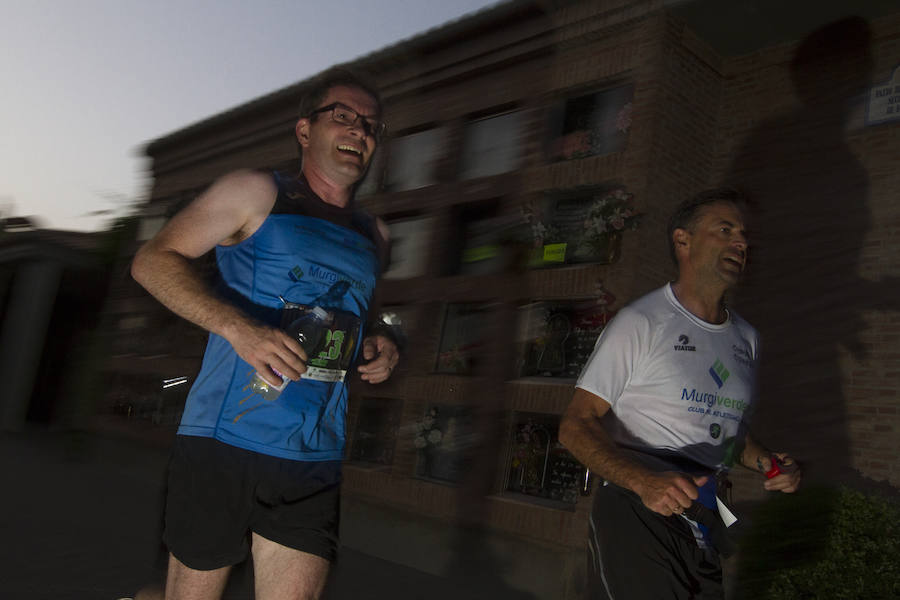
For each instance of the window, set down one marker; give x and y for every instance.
(443, 440)
(584, 225)
(482, 241)
(493, 145)
(410, 239)
(486, 245)
(462, 339)
(414, 160)
(591, 124)
(375, 433)
(555, 339)
(371, 183)
(539, 466)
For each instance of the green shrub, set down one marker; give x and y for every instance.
(822, 543)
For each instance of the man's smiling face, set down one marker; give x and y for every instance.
(336, 152)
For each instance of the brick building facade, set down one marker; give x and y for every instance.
(523, 106)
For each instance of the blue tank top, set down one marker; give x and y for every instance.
(305, 253)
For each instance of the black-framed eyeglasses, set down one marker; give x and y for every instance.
(343, 114)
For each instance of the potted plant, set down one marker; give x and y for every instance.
(611, 214)
(427, 437)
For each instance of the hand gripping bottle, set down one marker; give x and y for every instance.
(308, 330)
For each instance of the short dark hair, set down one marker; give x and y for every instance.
(319, 86)
(687, 213)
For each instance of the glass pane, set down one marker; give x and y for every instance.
(592, 124)
(585, 225)
(555, 339)
(493, 145)
(486, 245)
(375, 433)
(371, 183)
(443, 438)
(539, 466)
(462, 339)
(410, 246)
(414, 159)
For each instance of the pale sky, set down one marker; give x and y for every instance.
(85, 83)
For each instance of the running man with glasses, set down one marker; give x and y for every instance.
(251, 474)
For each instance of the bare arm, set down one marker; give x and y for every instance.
(582, 433)
(380, 350)
(229, 211)
(756, 458)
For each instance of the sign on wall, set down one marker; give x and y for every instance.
(884, 100)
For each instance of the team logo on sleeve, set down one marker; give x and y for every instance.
(742, 355)
(684, 344)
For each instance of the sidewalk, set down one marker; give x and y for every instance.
(81, 516)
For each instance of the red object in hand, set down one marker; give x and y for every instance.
(779, 467)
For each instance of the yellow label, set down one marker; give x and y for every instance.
(478, 253)
(555, 253)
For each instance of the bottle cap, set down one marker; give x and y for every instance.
(320, 312)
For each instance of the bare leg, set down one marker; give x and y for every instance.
(283, 573)
(185, 583)
(150, 592)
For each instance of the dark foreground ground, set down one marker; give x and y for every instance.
(81, 516)
(80, 519)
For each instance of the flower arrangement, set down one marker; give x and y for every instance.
(542, 232)
(610, 215)
(605, 298)
(528, 456)
(427, 433)
(623, 118)
(575, 144)
(525, 439)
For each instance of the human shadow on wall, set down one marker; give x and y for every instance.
(810, 214)
(809, 217)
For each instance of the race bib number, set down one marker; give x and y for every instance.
(331, 358)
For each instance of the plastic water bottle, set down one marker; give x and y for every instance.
(308, 330)
(334, 296)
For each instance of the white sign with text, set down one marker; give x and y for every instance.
(884, 100)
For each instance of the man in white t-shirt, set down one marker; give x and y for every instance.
(659, 411)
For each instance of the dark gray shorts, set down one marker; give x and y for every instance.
(218, 494)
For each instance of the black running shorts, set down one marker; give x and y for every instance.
(218, 494)
(637, 554)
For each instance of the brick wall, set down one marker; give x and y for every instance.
(772, 143)
(694, 113)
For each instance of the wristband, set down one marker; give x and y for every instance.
(390, 326)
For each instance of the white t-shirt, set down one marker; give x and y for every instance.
(676, 384)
